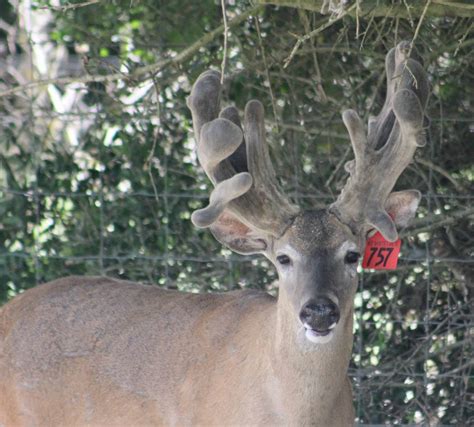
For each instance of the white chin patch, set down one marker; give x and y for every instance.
(316, 338)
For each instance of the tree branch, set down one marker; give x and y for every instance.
(376, 8)
(139, 72)
(315, 32)
(71, 6)
(436, 221)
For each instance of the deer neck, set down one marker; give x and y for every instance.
(311, 377)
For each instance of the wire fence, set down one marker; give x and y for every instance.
(407, 380)
(93, 183)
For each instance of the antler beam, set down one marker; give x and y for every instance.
(388, 148)
(237, 162)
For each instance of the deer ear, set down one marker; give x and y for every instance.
(402, 205)
(237, 236)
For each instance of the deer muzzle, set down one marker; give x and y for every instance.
(319, 317)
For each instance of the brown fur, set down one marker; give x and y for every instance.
(97, 351)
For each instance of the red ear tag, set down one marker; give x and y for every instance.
(380, 254)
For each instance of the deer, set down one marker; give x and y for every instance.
(100, 351)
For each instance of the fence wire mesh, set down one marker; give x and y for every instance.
(100, 176)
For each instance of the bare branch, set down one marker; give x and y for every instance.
(315, 32)
(374, 8)
(417, 30)
(436, 221)
(70, 6)
(142, 71)
(226, 34)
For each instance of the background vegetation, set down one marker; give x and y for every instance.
(98, 173)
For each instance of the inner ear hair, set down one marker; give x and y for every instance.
(237, 236)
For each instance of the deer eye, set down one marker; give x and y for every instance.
(351, 257)
(283, 259)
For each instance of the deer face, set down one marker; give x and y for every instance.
(316, 259)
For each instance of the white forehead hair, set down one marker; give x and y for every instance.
(344, 248)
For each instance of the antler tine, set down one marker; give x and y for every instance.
(239, 158)
(245, 182)
(265, 206)
(381, 157)
(205, 100)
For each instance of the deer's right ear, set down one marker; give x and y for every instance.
(237, 236)
(402, 206)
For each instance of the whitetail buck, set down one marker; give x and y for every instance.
(98, 351)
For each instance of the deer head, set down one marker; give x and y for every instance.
(315, 252)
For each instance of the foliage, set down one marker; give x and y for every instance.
(106, 183)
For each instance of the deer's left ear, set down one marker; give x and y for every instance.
(402, 205)
(237, 236)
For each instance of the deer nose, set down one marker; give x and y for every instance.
(320, 314)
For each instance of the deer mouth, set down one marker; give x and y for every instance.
(319, 333)
(319, 336)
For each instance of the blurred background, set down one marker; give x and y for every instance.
(98, 173)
